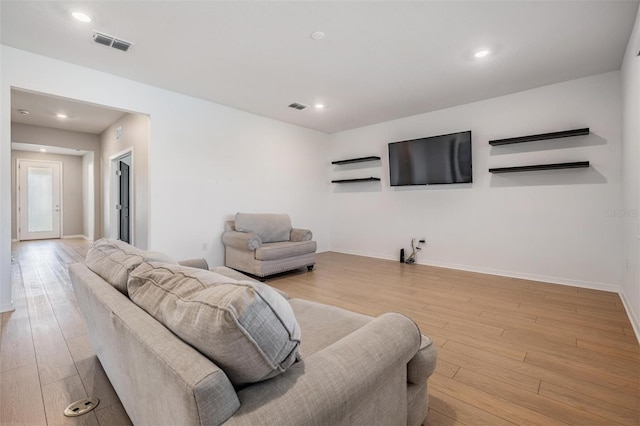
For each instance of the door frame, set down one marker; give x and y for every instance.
(19, 193)
(114, 217)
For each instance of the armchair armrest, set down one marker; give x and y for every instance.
(358, 379)
(301, 235)
(241, 240)
(195, 263)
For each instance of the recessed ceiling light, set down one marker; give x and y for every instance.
(82, 17)
(318, 35)
(319, 106)
(43, 150)
(481, 53)
(61, 115)
(23, 111)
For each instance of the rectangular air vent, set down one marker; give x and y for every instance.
(102, 39)
(121, 45)
(107, 40)
(296, 105)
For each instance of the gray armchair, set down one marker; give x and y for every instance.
(266, 244)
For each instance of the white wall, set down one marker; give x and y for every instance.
(630, 207)
(547, 225)
(206, 161)
(88, 196)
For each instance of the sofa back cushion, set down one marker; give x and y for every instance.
(113, 260)
(245, 327)
(270, 227)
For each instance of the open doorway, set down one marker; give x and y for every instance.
(122, 211)
(86, 138)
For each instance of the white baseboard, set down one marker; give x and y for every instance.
(7, 307)
(632, 318)
(502, 273)
(74, 236)
(531, 277)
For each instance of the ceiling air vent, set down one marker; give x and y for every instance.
(107, 40)
(298, 106)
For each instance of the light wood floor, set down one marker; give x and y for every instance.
(509, 351)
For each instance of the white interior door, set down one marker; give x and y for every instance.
(38, 200)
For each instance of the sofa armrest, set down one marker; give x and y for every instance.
(359, 379)
(241, 240)
(195, 263)
(423, 364)
(301, 235)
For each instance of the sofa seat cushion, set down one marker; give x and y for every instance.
(245, 327)
(113, 260)
(283, 250)
(323, 325)
(269, 227)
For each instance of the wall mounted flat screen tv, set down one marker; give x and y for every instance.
(433, 160)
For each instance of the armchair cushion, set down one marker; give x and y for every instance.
(270, 228)
(245, 327)
(281, 250)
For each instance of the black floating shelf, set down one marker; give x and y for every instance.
(574, 165)
(541, 137)
(369, 179)
(356, 160)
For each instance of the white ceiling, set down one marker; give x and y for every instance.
(380, 60)
(81, 117)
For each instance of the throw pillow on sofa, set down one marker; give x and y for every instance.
(245, 327)
(113, 260)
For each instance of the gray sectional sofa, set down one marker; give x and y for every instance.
(344, 368)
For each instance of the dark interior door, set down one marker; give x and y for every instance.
(124, 202)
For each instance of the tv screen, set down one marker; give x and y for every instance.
(432, 160)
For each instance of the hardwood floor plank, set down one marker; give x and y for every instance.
(611, 334)
(610, 350)
(495, 405)
(517, 396)
(588, 385)
(461, 411)
(435, 418)
(58, 395)
(446, 368)
(114, 415)
(69, 319)
(568, 367)
(21, 397)
(16, 343)
(591, 405)
(497, 371)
